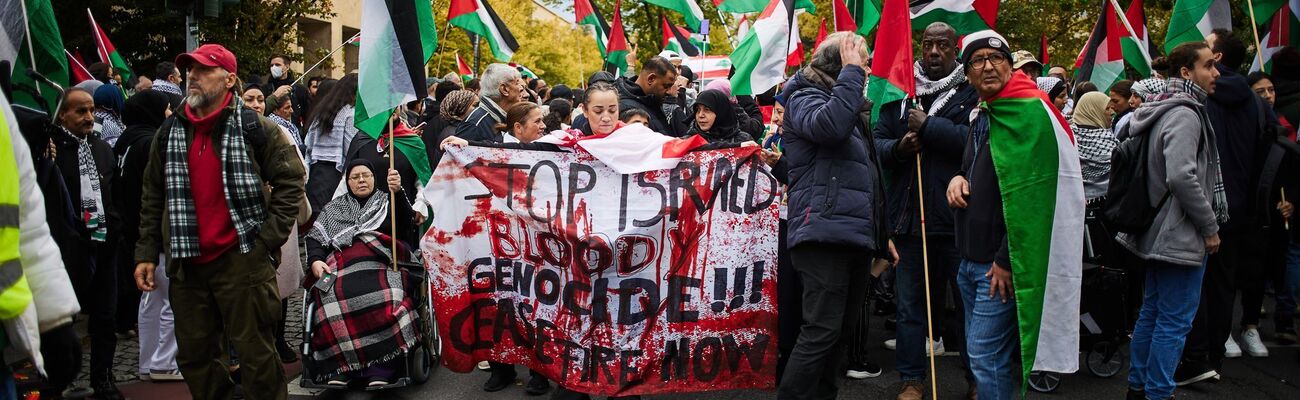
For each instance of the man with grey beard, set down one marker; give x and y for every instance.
(204, 207)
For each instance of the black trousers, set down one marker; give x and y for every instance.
(789, 303)
(835, 283)
(99, 302)
(1213, 320)
(322, 180)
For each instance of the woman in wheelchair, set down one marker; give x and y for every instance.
(362, 323)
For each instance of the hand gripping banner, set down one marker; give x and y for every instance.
(610, 284)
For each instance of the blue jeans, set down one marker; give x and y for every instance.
(991, 333)
(909, 276)
(1173, 292)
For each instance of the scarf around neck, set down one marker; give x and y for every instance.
(346, 216)
(945, 87)
(1178, 87)
(243, 187)
(92, 197)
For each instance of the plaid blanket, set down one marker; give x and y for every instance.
(368, 317)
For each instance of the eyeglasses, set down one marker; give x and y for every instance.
(362, 176)
(994, 59)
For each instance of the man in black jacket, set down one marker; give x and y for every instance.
(935, 126)
(646, 92)
(86, 163)
(501, 87)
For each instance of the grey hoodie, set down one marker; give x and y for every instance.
(1179, 157)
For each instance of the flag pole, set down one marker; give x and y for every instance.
(925, 263)
(392, 194)
(1254, 28)
(317, 64)
(1141, 47)
(31, 50)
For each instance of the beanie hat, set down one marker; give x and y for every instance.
(985, 39)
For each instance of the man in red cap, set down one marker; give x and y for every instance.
(205, 207)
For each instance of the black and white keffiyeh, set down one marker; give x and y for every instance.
(243, 188)
(92, 196)
(945, 87)
(346, 217)
(1178, 87)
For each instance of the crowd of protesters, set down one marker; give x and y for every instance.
(187, 209)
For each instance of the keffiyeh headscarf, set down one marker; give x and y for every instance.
(1147, 89)
(1051, 85)
(347, 216)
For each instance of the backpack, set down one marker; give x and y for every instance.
(1125, 209)
(254, 136)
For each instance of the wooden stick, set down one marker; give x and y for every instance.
(392, 194)
(925, 263)
(1285, 223)
(1259, 49)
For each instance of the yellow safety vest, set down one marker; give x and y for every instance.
(15, 295)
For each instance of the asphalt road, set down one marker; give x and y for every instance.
(1276, 377)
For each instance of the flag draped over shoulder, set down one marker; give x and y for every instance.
(1192, 21)
(107, 52)
(966, 16)
(762, 55)
(1039, 176)
(1103, 56)
(478, 17)
(1282, 31)
(391, 72)
(891, 76)
(46, 46)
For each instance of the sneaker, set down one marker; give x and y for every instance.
(1254, 346)
(863, 371)
(912, 390)
(337, 380)
(496, 382)
(1230, 348)
(537, 385)
(1193, 371)
(166, 376)
(1284, 338)
(484, 366)
(377, 381)
(937, 347)
(891, 344)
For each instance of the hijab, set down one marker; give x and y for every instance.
(1051, 85)
(455, 105)
(1090, 110)
(724, 124)
(346, 217)
(721, 85)
(109, 97)
(147, 108)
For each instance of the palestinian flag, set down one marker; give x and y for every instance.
(79, 71)
(46, 46)
(1282, 31)
(891, 76)
(795, 58)
(1038, 173)
(742, 30)
(355, 40)
(689, 9)
(1264, 9)
(761, 57)
(1043, 55)
(586, 13)
(752, 6)
(107, 53)
(677, 39)
(524, 71)
(859, 16)
(1103, 56)
(1137, 49)
(617, 48)
(462, 68)
(476, 16)
(821, 34)
(391, 73)
(1192, 21)
(965, 16)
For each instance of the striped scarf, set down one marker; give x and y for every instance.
(1178, 87)
(92, 196)
(243, 187)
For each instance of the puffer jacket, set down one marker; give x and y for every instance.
(1178, 156)
(835, 192)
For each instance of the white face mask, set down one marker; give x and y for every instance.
(277, 71)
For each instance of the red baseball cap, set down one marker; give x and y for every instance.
(212, 55)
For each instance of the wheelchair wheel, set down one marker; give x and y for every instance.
(1104, 359)
(1044, 382)
(418, 365)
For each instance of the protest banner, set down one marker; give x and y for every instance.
(610, 284)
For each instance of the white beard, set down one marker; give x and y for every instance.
(200, 100)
